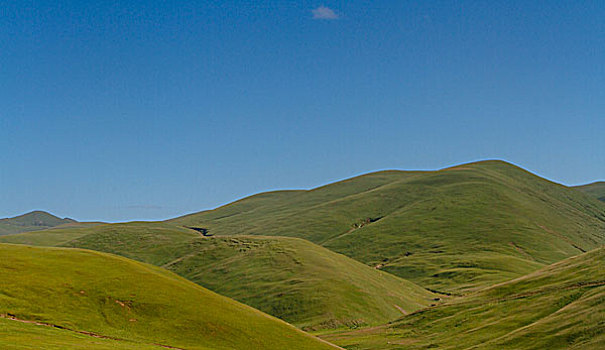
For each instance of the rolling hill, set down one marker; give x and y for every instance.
(452, 230)
(71, 298)
(561, 306)
(290, 278)
(293, 279)
(33, 221)
(595, 189)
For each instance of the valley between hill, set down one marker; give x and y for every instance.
(561, 306)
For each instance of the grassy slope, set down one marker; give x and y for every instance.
(595, 189)
(27, 336)
(455, 230)
(559, 307)
(36, 220)
(123, 299)
(293, 279)
(451, 230)
(52, 236)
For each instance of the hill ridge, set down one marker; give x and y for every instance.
(522, 214)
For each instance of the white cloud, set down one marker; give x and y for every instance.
(323, 12)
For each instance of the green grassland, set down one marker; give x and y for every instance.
(452, 230)
(26, 336)
(36, 220)
(293, 279)
(298, 281)
(595, 189)
(561, 306)
(89, 299)
(151, 236)
(343, 255)
(53, 236)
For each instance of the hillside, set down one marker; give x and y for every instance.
(35, 220)
(77, 296)
(595, 189)
(559, 307)
(150, 242)
(293, 279)
(53, 236)
(29, 335)
(451, 230)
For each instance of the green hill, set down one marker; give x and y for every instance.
(52, 236)
(36, 220)
(455, 231)
(559, 307)
(83, 299)
(595, 189)
(451, 230)
(293, 279)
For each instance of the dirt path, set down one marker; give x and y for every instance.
(400, 309)
(177, 260)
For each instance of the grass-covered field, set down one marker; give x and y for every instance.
(451, 230)
(293, 279)
(152, 235)
(26, 336)
(100, 300)
(345, 256)
(595, 189)
(300, 282)
(559, 307)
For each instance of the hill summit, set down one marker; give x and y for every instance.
(450, 230)
(32, 221)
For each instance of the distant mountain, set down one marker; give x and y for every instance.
(71, 298)
(33, 221)
(450, 230)
(561, 306)
(595, 189)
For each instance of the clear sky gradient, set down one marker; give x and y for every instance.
(123, 110)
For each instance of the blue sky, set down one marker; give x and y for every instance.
(123, 110)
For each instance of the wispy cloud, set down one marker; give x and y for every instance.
(323, 12)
